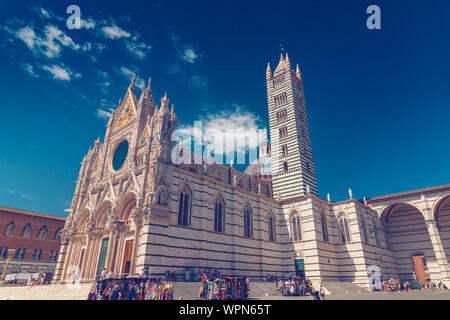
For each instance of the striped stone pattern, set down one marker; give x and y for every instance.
(169, 246)
(443, 219)
(285, 92)
(409, 235)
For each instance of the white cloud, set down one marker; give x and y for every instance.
(104, 114)
(115, 32)
(139, 49)
(49, 45)
(189, 54)
(185, 52)
(27, 35)
(128, 74)
(235, 123)
(89, 23)
(60, 72)
(28, 68)
(19, 194)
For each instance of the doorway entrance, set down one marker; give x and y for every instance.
(127, 258)
(420, 268)
(300, 268)
(102, 257)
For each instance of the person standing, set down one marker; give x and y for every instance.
(116, 294)
(322, 292)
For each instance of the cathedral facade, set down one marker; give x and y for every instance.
(135, 209)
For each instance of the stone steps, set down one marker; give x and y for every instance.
(184, 290)
(46, 292)
(336, 287)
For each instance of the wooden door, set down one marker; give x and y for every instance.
(127, 257)
(420, 268)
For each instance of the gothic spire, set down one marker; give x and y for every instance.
(287, 62)
(297, 72)
(268, 71)
(133, 81)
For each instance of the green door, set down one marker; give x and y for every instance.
(102, 258)
(300, 268)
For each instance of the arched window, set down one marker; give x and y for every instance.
(4, 252)
(20, 253)
(218, 176)
(375, 232)
(323, 221)
(248, 222)
(184, 207)
(219, 215)
(53, 256)
(33, 257)
(272, 228)
(296, 228)
(9, 230)
(364, 230)
(343, 230)
(26, 231)
(57, 235)
(42, 233)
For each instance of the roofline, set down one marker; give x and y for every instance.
(34, 214)
(407, 193)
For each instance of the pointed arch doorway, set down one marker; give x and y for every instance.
(127, 256)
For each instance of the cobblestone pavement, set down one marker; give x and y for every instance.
(410, 295)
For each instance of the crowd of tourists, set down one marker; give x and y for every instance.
(433, 285)
(132, 289)
(395, 285)
(296, 286)
(214, 287)
(39, 279)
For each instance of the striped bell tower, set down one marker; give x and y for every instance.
(293, 170)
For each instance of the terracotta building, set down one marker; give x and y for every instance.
(31, 241)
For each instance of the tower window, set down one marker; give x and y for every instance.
(280, 99)
(285, 166)
(278, 81)
(284, 150)
(282, 115)
(283, 132)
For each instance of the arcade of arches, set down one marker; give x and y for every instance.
(104, 240)
(418, 234)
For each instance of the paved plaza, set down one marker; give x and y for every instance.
(410, 295)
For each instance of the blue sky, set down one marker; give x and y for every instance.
(378, 100)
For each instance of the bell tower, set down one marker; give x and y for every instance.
(293, 169)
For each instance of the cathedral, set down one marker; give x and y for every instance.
(136, 209)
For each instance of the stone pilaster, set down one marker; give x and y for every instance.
(439, 250)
